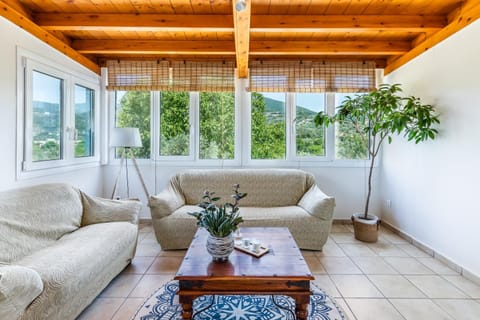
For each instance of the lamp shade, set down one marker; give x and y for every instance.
(126, 137)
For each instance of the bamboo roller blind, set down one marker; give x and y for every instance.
(265, 76)
(308, 76)
(171, 76)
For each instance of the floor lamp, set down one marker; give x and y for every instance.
(127, 138)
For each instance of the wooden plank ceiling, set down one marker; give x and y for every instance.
(390, 32)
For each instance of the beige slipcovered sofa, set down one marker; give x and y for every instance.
(59, 248)
(276, 198)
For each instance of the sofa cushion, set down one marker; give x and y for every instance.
(18, 287)
(317, 203)
(34, 217)
(96, 210)
(71, 266)
(265, 187)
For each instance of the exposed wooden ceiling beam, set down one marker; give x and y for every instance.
(346, 23)
(223, 23)
(19, 7)
(134, 22)
(241, 23)
(153, 46)
(467, 13)
(227, 48)
(24, 22)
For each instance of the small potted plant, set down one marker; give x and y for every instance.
(220, 222)
(380, 114)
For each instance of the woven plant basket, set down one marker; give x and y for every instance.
(365, 230)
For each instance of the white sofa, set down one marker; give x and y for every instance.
(59, 248)
(276, 198)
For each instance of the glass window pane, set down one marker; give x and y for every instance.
(174, 124)
(351, 142)
(268, 126)
(310, 139)
(84, 121)
(47, 96)
(133, 110)
(217, 125)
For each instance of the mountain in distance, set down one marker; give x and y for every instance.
(276, 111)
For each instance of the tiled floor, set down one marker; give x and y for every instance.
(390, 279)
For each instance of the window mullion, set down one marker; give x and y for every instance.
(330, 131)
(155, 125)
(290, 130)
(194, 126)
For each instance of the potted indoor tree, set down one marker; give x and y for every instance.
(220, 222)
(381, 114)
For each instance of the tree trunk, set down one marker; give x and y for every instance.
(367, 202)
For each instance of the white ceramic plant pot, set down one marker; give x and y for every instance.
(365, 229)
(220, 248)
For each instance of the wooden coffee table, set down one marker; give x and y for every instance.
(281, 271)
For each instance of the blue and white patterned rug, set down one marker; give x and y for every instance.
(163, 305)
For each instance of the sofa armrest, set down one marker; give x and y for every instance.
(164, 203)
(19, 286)
(97, 210)
(317, 203)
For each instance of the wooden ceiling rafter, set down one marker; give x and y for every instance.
(241, 24)
(220, 23)
(227, 47)
(25, 23)
(467, 13)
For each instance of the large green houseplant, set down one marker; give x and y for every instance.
(381, 114)
(220, 222)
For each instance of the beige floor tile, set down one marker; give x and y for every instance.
(165, 264)
(139, 265)
(357, 250)
(344, 238)
(408, 265)
(331, 249)
(355, 286)
(437, 266)
(345, 308)
(149, 241)
(387, 250)
(413, 251)
(460, 309)
(101, 309)
(415, 309)
(324, 282)
(339, 228)
(339, 265)
(349, 227)
(467, 286)
(308, 253)
(148, 284)
(121, 286)
(393, 238)
(314, 264)
(373, 265)
(395, 286)
(148, 250)
(373, 309)
(173, 253)
(436, 287)
(128, 309)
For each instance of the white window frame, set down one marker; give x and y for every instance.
(242, 153)
(27, 63)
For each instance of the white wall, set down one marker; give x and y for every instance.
(89, 180)
(434, 187)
